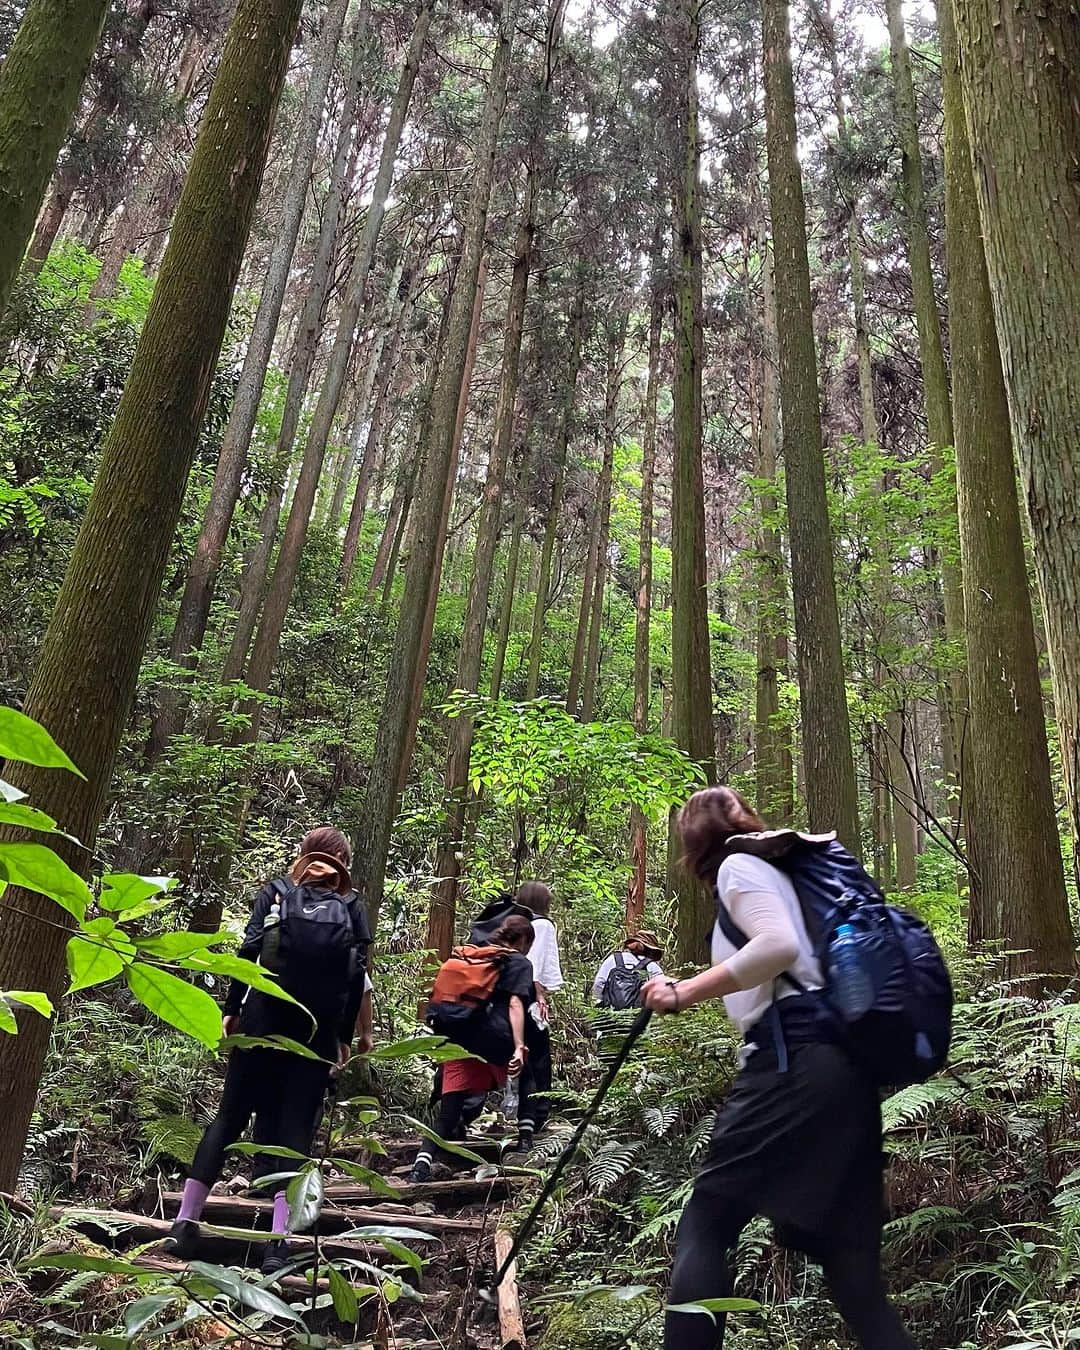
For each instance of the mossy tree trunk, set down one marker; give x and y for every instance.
(85, 676)
(1014, 849)
(832, 801)
(40, 83)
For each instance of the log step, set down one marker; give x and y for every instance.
(334, 1218)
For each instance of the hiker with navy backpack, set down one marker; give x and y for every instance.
(480, 1001)
(310, 929)
(837, 995)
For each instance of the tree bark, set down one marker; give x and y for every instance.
(191, 619)
(1019, 70)
(85, 676)
(40, 83)
(408, 662)
(639, 829)
(588, 582)
(1014, 848)
(832, 799)
(443, 911)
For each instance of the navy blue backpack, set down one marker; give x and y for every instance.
(904, 1037)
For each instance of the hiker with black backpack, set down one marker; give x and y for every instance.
(479, 1001)
(310, 929)
(837, 994)
(534, 1106)
(617, 990)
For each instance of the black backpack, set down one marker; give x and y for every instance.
(904, 1037)
(622, 988)
(493, 916)
(313, 943)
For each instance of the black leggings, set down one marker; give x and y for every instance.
(457, 1111)
(285, 1095)
(709, 1230)
(533, 1111)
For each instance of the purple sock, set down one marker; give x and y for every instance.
(193, 1200)
(281, 1213)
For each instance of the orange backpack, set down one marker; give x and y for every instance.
(470, 975)
(463, 1008)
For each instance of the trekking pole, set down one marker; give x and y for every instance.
(640, 1022)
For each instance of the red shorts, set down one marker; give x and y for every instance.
(472, 1075)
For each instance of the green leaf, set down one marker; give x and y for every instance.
(26, 818)
(122, 891)
(306, 1194)
(27, 741)
(341, 1291)
(250, 1295)
(237, 968)
(240, 1042)
(270, 1150)
(182, 1005)
(91, 963)
(142, 1312)
(447, 1145)
(173, 946)
(7, 1019)
(31, 998)
(39, 869)
(708, 1306)
(435, 1048)
(106, 1265)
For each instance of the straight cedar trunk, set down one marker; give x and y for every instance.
(1014, 847)
(191, 619)
(905, 798)
(639, 827)
(774, 771)
(408, 663)
(937, 400)
(558, 482)
(40, 83)
(832, 800)
(352, 304)
(86, 672)
(588, 583)
(443, 912)
(509, 586)
(383, 371)
(591, 676)
(301, 363)
(1019, 70)
(691, 677)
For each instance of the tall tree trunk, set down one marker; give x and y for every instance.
(86, 672)
(639, 828)
(832, 799)
(543, 585)
(772, 737)
(591, 675)
(40, 83)
(905, 797)
(935, 378)
(191, 619)
(441, 916)
(691, 678)
(588, 583)
(509, 586)
(1019, 70)
(408, 661)
(1014, 847)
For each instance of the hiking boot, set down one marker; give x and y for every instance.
(524, 1139)
(421, 1172)
(275, 1256)
(182, 1239)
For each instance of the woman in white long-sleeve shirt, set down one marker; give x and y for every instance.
(798, 1139)
(533, 1110)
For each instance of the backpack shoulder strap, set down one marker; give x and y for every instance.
(620, 960)
(738, 939)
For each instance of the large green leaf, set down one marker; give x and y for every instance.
(31, 998)
(174, 946)
(306, 1193)
(234, 967)
(91, 963)
(346, 1304)
(250, 1295)
(39, 869)
(106, 1265)
(436, 1048)
(711, 1306)
(240, 1042)
(182, 1005)
(26, 818)
(8, 1023)
(25, 740)
(139, 1315)
(122, 891)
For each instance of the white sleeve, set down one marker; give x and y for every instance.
(762, 915)
(606, 967)
(544, 956)
(654, 969)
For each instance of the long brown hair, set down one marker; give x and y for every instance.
(327, 839)
(707, 822)
(536, 896)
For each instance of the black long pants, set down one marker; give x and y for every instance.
(285, 1095)
(535, 1077)
(709, 1231)
(457, 1111)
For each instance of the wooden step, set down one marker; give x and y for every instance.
(467, 1190)
(338, 1217)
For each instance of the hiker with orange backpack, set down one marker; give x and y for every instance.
(479, 1001)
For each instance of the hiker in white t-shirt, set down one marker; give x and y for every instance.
(640, 954)
(533, 1110)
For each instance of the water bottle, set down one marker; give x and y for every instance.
(850, 985)
(510, 1099)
